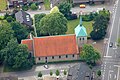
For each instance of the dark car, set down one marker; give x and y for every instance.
(111, 44)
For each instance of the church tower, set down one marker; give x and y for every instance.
(81, 34)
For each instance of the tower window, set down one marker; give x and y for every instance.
(80, 39)
(45, 57)
(83, 38)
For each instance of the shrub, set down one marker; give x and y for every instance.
(25, 8)
(99, 73)
(9, 19)
(65, 72)
(51, 73)
(33, 6)
(72, 17)
(40, 74)
(57, 73)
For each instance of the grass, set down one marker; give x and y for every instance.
(72, 24)
(3, 4)
(47, 4)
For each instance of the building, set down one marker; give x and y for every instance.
(53, 48)
(18, 3)
(24, 18)
(80, 71)
(57, 48)
(81, 34)
(86, 1)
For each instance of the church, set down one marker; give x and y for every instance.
(59, 47)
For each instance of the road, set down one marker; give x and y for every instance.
(111, 61)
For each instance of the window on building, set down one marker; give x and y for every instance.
(59, 56)
(73, 55)
(80, 39)
(45, 57)
(83, 38)
(52, 57)
(66, 56)
(39, 58)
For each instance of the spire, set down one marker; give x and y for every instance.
(80, 21)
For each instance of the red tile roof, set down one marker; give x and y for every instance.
(29, 43)
(53, 45)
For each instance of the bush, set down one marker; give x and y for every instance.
(40, 74)
(65, 72)
(99, 73)
(9, 19)
(25, 8)
(51, 73)
(57, 73)
(33, 6)
(72, 17)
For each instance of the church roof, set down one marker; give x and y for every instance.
(80, 30)
(53, 45)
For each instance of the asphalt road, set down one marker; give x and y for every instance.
(111, 61)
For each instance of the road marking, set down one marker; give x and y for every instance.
(112, 28)
(108, 56)
(115, 76)
(118, 74)
(109, 74)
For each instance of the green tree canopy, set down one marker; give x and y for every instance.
(20, 31)
(33, 6)
(17, 55)
(40, 74)
(89, 54)
(53, 24)
(99, 28)
(38, 18)
(57, 73)
(65, 8)
(54, 10)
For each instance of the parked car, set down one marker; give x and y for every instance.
(82, 6)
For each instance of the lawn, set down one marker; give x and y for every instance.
(3, 4)
(73, 23)
(47, 4)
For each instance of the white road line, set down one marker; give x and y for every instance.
(111, 29)
(115, 76)
(108, 56)
(118, 74)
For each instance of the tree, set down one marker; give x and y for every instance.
(9, 19)
(65, 8)
(89, 54)
(57, 73)
(17, 55)
(99, 73)
(33, 6)
(65, 72)
(38, 18)
(99, 28)
(51, 73)
(53, 24)
(20, 31)
(25, 7)
(40, 74)
(54, 9)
